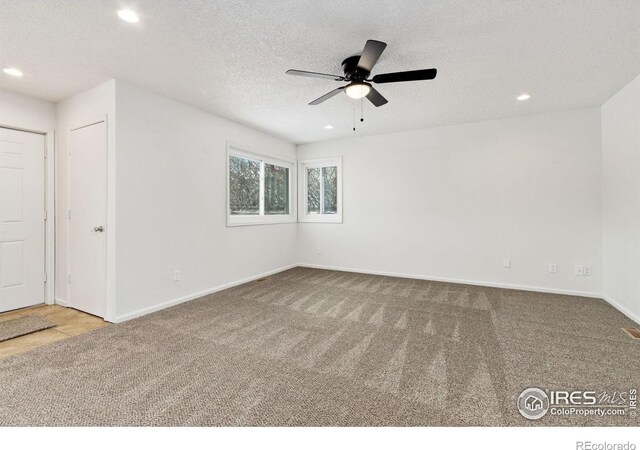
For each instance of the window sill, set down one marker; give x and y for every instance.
(320, 218)
(243, 221)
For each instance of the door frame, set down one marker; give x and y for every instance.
(49, 202)
(109, 307)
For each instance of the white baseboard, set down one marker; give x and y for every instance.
(623, 309)
(141, 312)
(517, 287)
(186, 298)
(61, 302)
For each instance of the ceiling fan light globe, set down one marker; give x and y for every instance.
(358, 90)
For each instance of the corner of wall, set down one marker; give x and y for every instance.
(620, 187)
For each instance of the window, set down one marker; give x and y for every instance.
(276, 189)
(244, 186)
(321, 189)
(259, 189)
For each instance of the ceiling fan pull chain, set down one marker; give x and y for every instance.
(354, 118)
(362, 109)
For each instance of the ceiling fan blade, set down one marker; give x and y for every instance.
(304, 73)
(411, 75)
(327, 96)
(376, 98)
(370, 54)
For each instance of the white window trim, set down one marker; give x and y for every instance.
(303, 216)
(237, 220)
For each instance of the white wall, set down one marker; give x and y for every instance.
(82, 109)
(452, 202)
(171, 193)
(621, 198)
(26, 112)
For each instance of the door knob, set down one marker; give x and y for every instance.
(99, 229)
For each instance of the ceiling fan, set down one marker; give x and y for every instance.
(357, 70)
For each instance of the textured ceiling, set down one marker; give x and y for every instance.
(230, 57)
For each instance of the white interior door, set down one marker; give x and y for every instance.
(87, 218)
(22, 219)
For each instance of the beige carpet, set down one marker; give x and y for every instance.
(314, 347)
(20, 326)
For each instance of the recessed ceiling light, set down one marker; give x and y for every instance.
(329, 127)
(12, 71)
(523, 97)
(128, 16)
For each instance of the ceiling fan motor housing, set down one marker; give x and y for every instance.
(351, 70)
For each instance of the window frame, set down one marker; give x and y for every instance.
(261, 218)
(319, 163)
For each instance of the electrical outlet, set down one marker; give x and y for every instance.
(579, 271)
(587, 271)
(318, 251)
(176, 275)
(506, 263)
(553, 268)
